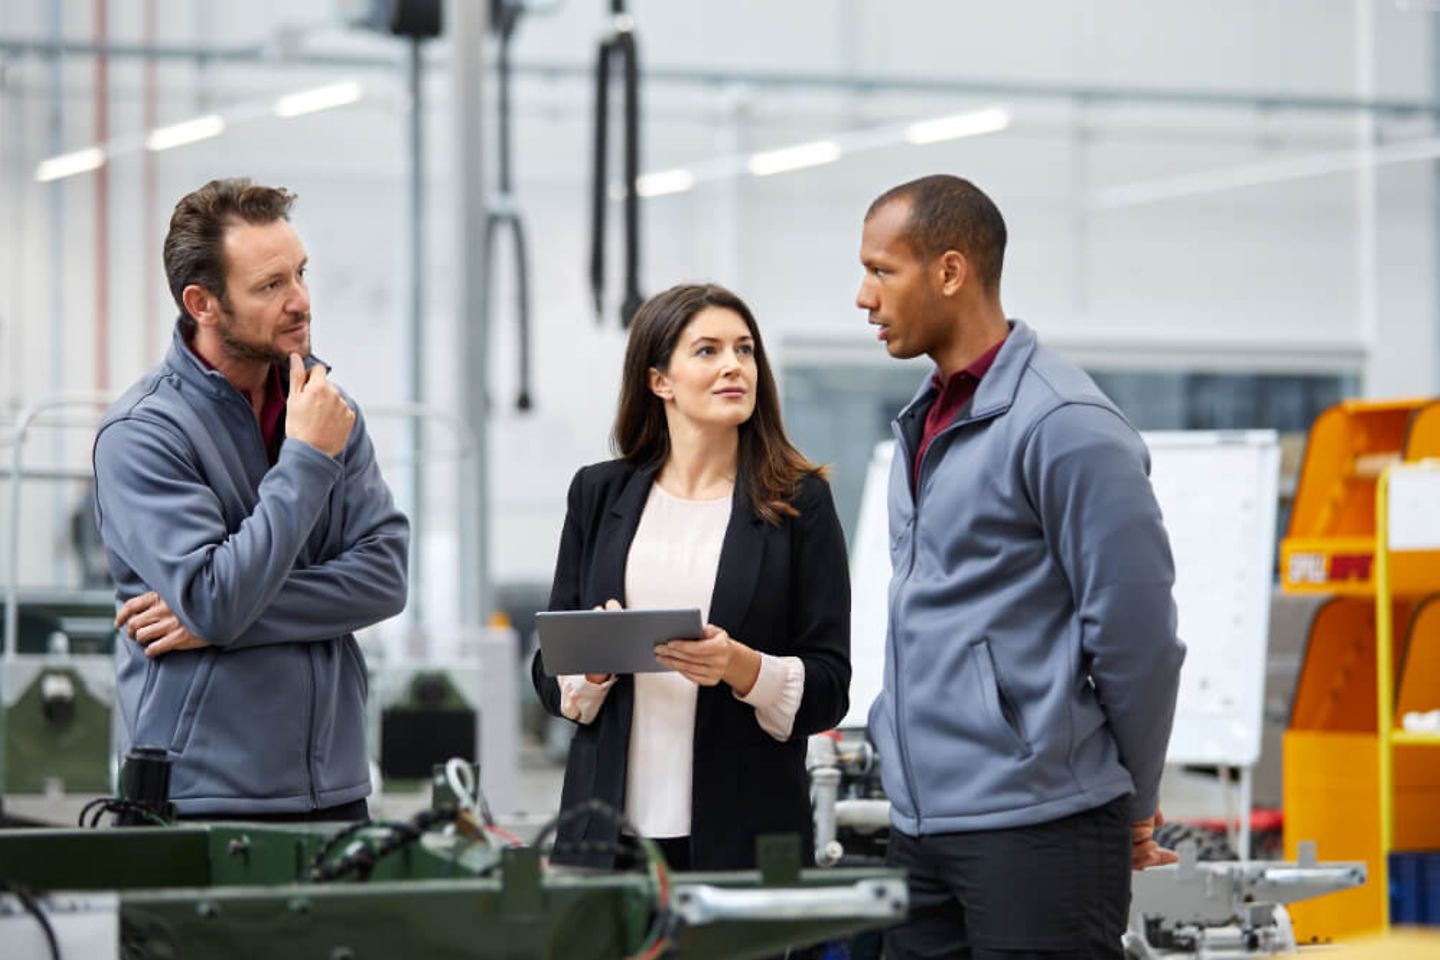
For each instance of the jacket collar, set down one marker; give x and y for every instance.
(999, 385)
(181, 359)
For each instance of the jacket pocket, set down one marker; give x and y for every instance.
(194, 697)
(357, 663)
(998, 705)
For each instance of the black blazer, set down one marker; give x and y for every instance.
(782, 590)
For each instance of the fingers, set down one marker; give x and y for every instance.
(177, 639)
(156, 630)
(613, 604)
(297, 375)
(1159, 818)
(133, 606)
(147, 617)
(1150, 854)
(171, 641)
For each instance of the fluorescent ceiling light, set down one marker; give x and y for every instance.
(794, 158)
(179, 134)
(69, 164)
(664, 181)
(959, 125)
(321, 98)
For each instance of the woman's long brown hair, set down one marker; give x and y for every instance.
(769, 465)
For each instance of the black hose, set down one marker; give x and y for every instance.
(32, 907)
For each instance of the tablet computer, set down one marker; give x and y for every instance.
(611, 641)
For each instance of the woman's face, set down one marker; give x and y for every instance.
(711, 380)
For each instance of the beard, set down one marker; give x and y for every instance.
(241, 350)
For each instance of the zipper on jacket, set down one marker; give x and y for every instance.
(900, 739)
(310, 731)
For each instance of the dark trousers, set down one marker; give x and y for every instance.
(355, 811)
(1057, 890)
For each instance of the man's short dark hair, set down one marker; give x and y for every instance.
(951, 213)
(193, 250)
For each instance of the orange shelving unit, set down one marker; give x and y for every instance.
(1355, 783)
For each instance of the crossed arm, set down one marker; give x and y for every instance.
(241, 589)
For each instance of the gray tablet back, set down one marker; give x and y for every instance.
(610, 641)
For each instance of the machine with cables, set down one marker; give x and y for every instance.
(447, 882)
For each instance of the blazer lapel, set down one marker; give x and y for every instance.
(739, 562)
(735, 581)
(617, 530)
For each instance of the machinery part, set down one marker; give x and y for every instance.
(57, 698)
(229, 891)
(821, 759)
(1209, 846)
(1193, 906)
(619, 48)
(873, 899)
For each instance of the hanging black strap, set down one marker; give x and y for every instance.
(503, 212)
(631, 303)
(598, 186)
(619, 46)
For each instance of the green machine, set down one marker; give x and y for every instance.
(448, 883)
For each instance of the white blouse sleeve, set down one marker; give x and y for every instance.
(580, 699)
(776, 694)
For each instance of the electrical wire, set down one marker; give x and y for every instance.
(394, 834)
(664, 924)
(32, 907)
(117, 805)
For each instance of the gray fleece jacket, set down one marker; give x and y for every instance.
(274, 566)
(1031, 663)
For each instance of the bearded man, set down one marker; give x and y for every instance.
(248, 530)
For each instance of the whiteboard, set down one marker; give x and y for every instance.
(1217, 492)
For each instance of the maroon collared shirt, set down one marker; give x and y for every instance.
(271, 410)
(954, 394)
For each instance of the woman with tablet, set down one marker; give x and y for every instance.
(708, 506)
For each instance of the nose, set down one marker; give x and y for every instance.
(299, 301)
(865, 297)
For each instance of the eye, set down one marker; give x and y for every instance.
(272, 285)
(705, 350)
(745, 350)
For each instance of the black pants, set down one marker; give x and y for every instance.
(1057, 890)
(355, 811)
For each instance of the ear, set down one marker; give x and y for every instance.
(201, 304)
(660, 385)
(952, 270)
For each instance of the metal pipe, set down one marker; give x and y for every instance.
(102, 200)
(149, 310)
(415, 347)
(770, 80)
(467, 37)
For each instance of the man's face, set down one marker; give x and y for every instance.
(266, 308)
(900, 291)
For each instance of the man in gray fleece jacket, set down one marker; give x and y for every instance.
(248, 530)
(1031, 662)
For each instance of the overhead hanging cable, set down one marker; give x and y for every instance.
(617, 51)
(503, 212)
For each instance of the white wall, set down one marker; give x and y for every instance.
(1254, 276)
